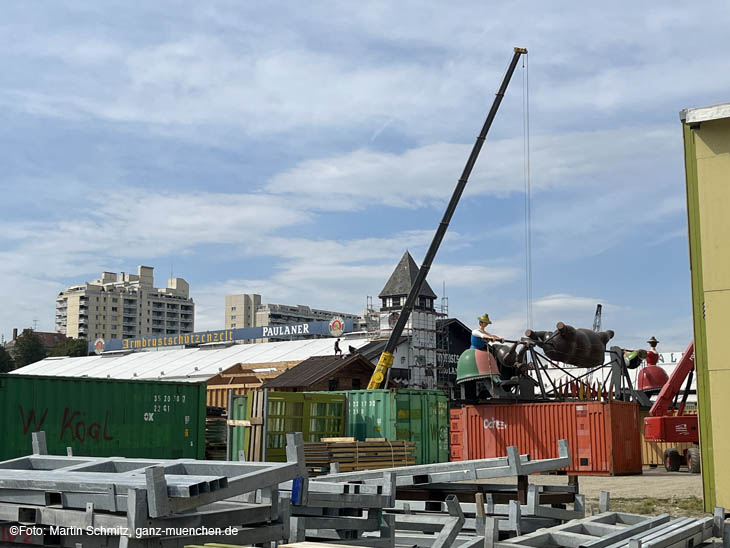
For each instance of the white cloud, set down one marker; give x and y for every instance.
(338, 276)
(427, 175)
(421, 71)
(562, 302)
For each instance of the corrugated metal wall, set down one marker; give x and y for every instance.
(102, 417)
(420, 416)
(603, 437)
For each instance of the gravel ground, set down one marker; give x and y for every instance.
(655, 482)
(655, 491)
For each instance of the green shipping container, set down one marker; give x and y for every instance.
(402, 414)
(316, 415)
(102, 417)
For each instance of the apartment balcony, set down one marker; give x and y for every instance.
(130, 302)
(158, 323)
(129, 321)
(156, 314)
(173, 306)
(172, 332)
(184, 316)
(130, 311)
(186, 307)
(158, 305)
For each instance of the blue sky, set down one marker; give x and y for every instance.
(297, 149)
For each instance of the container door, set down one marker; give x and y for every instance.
(430, 428)
(443, 428)
(324, 416)
(583, 436)
(285, 413)
(371, 414)
(238, 433)
(456, 439)
(409, 420)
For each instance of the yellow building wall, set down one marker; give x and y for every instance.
(709, 219)
(72, 316)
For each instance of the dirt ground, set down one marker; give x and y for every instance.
(656, 491)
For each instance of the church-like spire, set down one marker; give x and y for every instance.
(400, 281)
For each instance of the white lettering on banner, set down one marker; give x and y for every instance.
(494, 424)
(278, 331)
(681, 429)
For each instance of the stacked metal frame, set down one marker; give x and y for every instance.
(114, 502)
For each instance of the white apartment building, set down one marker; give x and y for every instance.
(125, 307)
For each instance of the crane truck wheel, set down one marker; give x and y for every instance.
(693, 460)
(672, 460)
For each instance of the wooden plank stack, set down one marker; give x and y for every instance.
(354, 456)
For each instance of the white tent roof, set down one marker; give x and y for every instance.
(188, 364)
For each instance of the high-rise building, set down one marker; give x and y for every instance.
(241, 310)
(124, 307)
(246, 310)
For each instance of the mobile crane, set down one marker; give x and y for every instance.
(664, 425)
(386, 358)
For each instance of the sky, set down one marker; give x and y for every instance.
(296, 150)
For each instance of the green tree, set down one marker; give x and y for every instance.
(28, 349)
(71, 347)
(6, 361)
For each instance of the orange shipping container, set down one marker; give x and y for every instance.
(603, 436)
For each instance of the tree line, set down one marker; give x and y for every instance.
(29, 348)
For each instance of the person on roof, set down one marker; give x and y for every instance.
(479, 337)
(338, 350)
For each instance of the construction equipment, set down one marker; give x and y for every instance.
(663, 424)
(386, 358)
(597, 318)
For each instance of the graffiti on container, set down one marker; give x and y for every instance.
(79, 430)
(18, 535)
(494, 424)
(37, 425)
(71, 424)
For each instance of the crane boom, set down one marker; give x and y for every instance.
(597, 319)
(386, 358)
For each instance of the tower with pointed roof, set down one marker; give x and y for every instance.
(420, 361)
(393, 295)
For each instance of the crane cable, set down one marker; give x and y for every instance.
(528, 188)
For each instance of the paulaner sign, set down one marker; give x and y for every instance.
(284, 330)
(220, 336)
